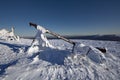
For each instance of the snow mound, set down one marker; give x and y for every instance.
(32, 50)
(93, 53)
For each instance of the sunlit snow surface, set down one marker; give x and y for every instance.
(54, 64)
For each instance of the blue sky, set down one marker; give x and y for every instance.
(67, 17)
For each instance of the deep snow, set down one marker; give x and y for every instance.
(59, 64)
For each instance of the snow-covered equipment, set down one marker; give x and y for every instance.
(40, 42)
(54, 34)
(8, 35)
(83, 48)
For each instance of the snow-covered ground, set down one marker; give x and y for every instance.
(59, 64)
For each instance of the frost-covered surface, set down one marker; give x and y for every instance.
(54, 64)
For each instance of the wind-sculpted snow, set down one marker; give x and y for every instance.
(60, 64)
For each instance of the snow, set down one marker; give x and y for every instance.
(42, 29)
(3, 31)
(55, 64)
(93, 53)
(53, 60)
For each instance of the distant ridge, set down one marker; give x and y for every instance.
(97, 37)
(88, 37)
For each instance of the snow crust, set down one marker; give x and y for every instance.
(58, 64)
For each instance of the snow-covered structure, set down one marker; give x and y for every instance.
(40, 42)
(8, 35)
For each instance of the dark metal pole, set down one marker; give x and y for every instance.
(59, 36)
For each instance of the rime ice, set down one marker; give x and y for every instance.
(40, 42)
(8, 35)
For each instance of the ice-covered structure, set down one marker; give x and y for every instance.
(8, 35)
(40, 42)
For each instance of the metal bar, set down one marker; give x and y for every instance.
(54, 34)
(61, 37)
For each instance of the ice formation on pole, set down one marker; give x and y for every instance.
(8, 35)
(41, 39)
(40, 42)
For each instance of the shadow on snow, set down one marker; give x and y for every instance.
(54, 56)
(15, 47)
(4, 66)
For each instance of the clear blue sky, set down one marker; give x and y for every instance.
(67, 17)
